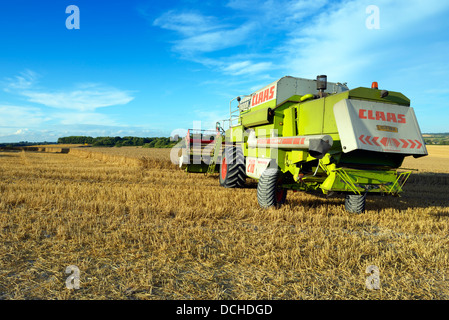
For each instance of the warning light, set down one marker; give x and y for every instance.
(374, 85)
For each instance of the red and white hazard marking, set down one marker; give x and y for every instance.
(390, 142)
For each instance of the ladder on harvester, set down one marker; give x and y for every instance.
(217, 151)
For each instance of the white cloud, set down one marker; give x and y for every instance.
(304, 38)
(55, 108)
(200, 33)
(24, 80)
(187, 23)
(204, 38)
(215, 40)
(18, 116)
(246, 67)
(85, 98)
(18, 123)
(277, 14)
(336, 41)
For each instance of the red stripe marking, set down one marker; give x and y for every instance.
(419, 144)
(367, 140)
(396, 142)
(413, 144)
(361, 139)
(405, 143)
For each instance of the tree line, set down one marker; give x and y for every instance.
(156, 142)
(436, 138)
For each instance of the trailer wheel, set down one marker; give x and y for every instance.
(232, 168)
(355, 203)
(269, 194)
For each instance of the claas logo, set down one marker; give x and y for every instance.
(263, 96)
(380, 115)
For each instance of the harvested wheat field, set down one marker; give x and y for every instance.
(137, 227)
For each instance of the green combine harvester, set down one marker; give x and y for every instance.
(311, 135)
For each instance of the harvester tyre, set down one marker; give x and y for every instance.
(232, 168)
(355, 203)
(269, 193)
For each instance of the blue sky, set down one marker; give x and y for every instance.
(153, 68)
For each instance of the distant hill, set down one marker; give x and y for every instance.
(436, 138)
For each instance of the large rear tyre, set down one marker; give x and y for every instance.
(232, 168)
(269, 192)
(355, 203)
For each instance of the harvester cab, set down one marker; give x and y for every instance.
(312, 135)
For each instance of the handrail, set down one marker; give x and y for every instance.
(235, 114)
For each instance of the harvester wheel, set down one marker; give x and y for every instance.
(355, 203)
(232, 168)
(269, 194)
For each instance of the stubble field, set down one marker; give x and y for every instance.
(136, 227)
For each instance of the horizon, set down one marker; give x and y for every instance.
(153, 69)
(152, 137)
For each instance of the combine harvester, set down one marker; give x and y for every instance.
(308, 135)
